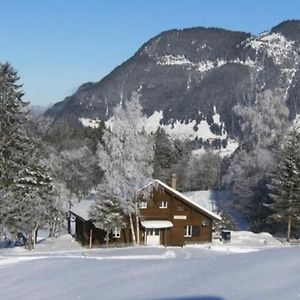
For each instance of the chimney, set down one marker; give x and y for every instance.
(173, 182)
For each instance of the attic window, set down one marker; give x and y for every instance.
(143, 205)
(163, 204)
(117, 232)
(180, 207)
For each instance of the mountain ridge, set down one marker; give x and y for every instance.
(190, 75)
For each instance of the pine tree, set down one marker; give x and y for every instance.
(163, 150)
(106, 214)
(170, 157)
(12, 114)
(285, 183)
(24, 183)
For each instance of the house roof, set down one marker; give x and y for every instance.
(188, 200)
(82, 209)
(208, 199)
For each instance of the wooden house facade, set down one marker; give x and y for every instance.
(167, 218)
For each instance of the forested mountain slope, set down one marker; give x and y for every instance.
(192, 78)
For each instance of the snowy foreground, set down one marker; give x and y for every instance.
(250, 267)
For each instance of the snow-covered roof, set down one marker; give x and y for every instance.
(188, 200)
(207, 199)
(157, 224)
(82, 209)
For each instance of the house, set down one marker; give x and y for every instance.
(87, 233)
(167, 218)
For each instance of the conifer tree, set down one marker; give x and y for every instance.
(12, 114)
(24, 183)
(284, 188)
(106, 214)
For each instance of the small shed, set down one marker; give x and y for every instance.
(83, 225)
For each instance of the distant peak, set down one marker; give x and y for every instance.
(289, 28)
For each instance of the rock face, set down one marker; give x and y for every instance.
(192, 78)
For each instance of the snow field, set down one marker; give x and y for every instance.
(245, 268)
(187, 273)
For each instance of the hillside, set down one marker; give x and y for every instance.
(189, 80)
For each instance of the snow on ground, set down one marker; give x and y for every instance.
(248, 238)
(230, 148)
(152, 273)
(276, 46)
(178, 129)
(86, 122)
(217, 271)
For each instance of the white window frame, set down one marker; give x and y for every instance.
(116, 232)
(188, 231)
(163, 204)
(143, 205)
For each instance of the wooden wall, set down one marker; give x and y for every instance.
(174, 236)
(176, 207)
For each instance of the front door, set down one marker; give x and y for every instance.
(152, 236)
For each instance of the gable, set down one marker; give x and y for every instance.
(185, 200)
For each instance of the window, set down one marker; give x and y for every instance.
(153, 231)
(180, 207)
(188, 229)
(143, 205)
(117, 232)
(163, 204)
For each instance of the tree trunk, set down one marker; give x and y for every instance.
(107, 238)
(137, 225)
(55, 226)
(132, 229)
(29, 244)
(137, 230)
(50, 230)
(35, 233)
(91, 238)
(288, 236)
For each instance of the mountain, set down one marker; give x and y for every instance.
(190, 79)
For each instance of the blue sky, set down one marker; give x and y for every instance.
(58, 44)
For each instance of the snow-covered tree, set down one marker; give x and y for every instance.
(203, 172)
(25, 184)
(263, 125)
(107, 215)
(248, 175)
(262, 122)
(12, 114)
(77, 168)
(61, 203)
(285, 182)
(29, 203)
(126, 158)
